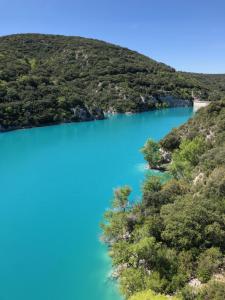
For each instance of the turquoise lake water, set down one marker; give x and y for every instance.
(56, 183)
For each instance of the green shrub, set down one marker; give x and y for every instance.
(208, 263)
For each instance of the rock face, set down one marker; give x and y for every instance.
(97, 113)
(171, 101)
(166, 156)
(168, 101)
(81, 113)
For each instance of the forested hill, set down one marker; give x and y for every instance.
(47, 79)
(172, 242)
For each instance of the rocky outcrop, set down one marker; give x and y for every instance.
(165, 156)
(111, 111)
(165, 101)
(81, 113)
(172, 101)
(97, 113)
(116, 272)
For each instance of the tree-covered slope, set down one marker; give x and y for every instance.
(47, 79)
(173, 241)
(211, 86)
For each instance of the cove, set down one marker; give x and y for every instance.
(56, 183)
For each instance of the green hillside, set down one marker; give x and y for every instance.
(172, 242)
(212, 86)
(47, 79)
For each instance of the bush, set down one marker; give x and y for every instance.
(149, 295)
(132, 281)
(187, 157)
(215, 290)
(208, 263)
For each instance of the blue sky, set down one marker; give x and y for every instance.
(188, 35)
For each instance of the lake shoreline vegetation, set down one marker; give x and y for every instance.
(171, 244)
(54, 79)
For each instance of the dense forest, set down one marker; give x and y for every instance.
(47, 79)
(171, 245)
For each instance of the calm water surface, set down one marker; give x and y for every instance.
(55, 184)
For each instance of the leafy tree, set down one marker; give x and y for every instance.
(187, 157)
(121, 200)
(152, 155)
(131, 281)
(116, 219)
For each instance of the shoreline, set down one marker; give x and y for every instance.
(106, 116)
